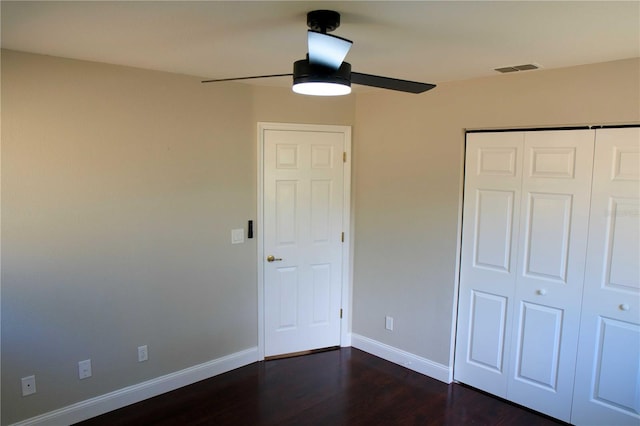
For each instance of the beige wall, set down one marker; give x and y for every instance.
(119, 191)
(277, 104)
(120, 187)
(408, 171)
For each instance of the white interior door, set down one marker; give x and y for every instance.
(556, 188)
(608, 367)
(524, 239)
(493, 179)
(303, 217)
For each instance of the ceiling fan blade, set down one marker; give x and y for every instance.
(390, 83)
(246, 78)
(327, 50)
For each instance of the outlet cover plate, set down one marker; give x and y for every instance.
(388, 323)
(143, 353)
(28, 385)
(84, 369)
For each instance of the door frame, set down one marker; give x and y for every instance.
(347, 248)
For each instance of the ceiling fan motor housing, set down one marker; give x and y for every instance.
(323, 20)
(304, 72)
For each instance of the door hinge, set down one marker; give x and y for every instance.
(344, 157)
(340, 313)
(342, 237)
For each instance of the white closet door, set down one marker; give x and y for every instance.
(554, 219)
(487, 282)
(608, 368)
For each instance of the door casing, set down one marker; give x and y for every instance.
(347, 249)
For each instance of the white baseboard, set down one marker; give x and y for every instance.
(120, 398)
(406, 359)
(130, 395)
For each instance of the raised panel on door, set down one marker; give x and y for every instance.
(552, 245)
(286, 212)
(320, 294)
(321, 220)
(494, 229)
(487, 275)
(545, 240)
(303, 221)
(286, 298)
(607, 387)
(487, 324)
(538, 345)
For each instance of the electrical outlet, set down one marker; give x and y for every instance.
(28, 385)
(388, 323)
(84, 369)
(143, 353)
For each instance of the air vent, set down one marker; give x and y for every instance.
(525, 67)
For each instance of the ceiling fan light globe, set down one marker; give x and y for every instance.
(316, 80)
(321, 88)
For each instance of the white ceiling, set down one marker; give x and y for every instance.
(430, 41)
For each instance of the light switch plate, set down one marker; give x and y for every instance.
(237, 236)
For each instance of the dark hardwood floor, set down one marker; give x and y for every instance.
(341, 387)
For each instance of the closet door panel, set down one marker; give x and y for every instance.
(487, 275)
(539, 338)
(546, 239)
(607, 387)
(552, 245)
(487, 330)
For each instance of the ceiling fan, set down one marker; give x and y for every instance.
(323, 72)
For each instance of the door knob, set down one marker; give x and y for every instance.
(272, 258)
(624, 307)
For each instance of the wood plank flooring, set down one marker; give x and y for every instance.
(341, 387)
